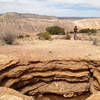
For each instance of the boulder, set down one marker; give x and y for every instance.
(95, 96)
(10, 94)
(10, 97)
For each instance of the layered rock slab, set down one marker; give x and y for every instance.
(62, 77)
(68, 77)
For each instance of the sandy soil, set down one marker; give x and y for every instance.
(56, 49)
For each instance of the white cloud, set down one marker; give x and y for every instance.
(90, 3)
(7, 0)
(70, 1)
(52, 7)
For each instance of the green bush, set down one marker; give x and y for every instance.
(8, 38)
(44, 36)
(71, 32)
(88, 31)
(55, 30)
(68, 37)
(93, 31)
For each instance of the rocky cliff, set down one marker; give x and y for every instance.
(63, 77)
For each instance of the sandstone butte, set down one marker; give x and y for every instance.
(67, 68)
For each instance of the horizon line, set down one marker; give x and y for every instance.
(50, 15)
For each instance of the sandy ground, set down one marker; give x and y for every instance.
(56, 50)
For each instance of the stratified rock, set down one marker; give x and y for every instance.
(95, 77)
(70, 77)
(64, 77)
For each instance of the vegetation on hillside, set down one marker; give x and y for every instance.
(87, 30)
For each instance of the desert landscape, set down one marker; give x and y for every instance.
(31, 23)
(41, 60)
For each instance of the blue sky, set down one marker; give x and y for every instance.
(62, 8)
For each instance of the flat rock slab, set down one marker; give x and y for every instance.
(95, 96)
(10, 97)
(10, 94)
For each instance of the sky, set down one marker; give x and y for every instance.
(61, 8)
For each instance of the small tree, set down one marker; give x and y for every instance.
(55, 30)
(8, 37)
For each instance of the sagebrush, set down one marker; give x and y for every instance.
(68, 36)
(8, 37)
(44, 36)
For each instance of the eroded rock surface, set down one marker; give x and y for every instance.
(67, 77)
(10, 94)
(95, 96)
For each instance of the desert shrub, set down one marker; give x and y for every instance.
(55, 30)
(88, 31)
(68, 37)
(44, 36)
(8, 38)
(20, 36)
(71, 32)
(84, 31)
(93, 31)
(27, 35)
